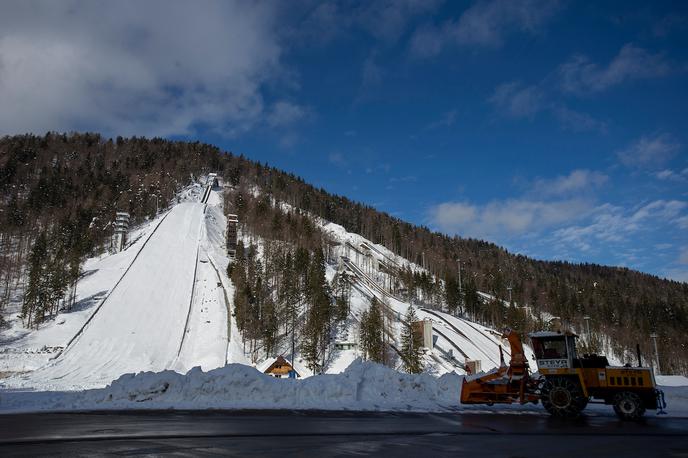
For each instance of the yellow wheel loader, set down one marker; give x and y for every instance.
(565, 382)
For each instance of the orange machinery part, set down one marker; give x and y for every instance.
(506, 384)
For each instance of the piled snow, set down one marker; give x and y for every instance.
(362, 386)
(671, 380)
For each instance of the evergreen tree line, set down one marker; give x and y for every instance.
(54, 269)
(284, 301)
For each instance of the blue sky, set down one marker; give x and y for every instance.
(555, 129)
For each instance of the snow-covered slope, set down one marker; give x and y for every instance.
(161, 304)
(456, 339)
(23, 349)
(141, 324)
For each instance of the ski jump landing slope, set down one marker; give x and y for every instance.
(140, 325)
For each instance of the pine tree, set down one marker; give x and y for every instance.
(371, 336)
(311, 344)
(35, 292)
(290, 299)
(452, 294)
(411, 344)
(269, 323)
(319, 325)
(342, 295)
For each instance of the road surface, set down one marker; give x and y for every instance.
(247, 433)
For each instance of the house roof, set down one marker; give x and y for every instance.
(269, 363)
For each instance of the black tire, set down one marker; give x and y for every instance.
(563, 397)
(628, 405)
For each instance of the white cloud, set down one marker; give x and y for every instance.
(404, 179)
(665, 174)
(285, 113)
(505, 218)
(517, 101)
(385, 20)
(670, 175)
(371, 74)
(677, 275)
(485, 23)
(547, 204)
(667, 210)
(678, 270)
(649, 151)
(388, 19)
(682, 222)
(580, 75)
(580, 180)
(446, 120)
(153, 68)
(427, 41)
(670, 23)
(683, 257)
(337, 159)
(577, 121)
(614, 224)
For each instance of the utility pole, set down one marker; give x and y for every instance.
(654, 339)
(508, 288)
(587, 327)
(458, 260)
(156, 204)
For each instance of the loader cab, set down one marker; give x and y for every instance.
(554, 350)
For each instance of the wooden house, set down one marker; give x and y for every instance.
(279, 367)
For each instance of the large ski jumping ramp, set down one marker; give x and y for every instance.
(140, 326)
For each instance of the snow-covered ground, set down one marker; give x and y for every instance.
(362, 386)
(23, 349)
(160, 304)
(140, 325)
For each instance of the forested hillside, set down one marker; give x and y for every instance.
(60, 194)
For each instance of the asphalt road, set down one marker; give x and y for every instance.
(337, 434)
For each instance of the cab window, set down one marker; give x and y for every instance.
(550, 349)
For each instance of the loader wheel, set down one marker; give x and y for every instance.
(628, 406)
(563, 397)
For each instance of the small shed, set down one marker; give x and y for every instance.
(278, 368)
(346, 345)
(423, 330)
